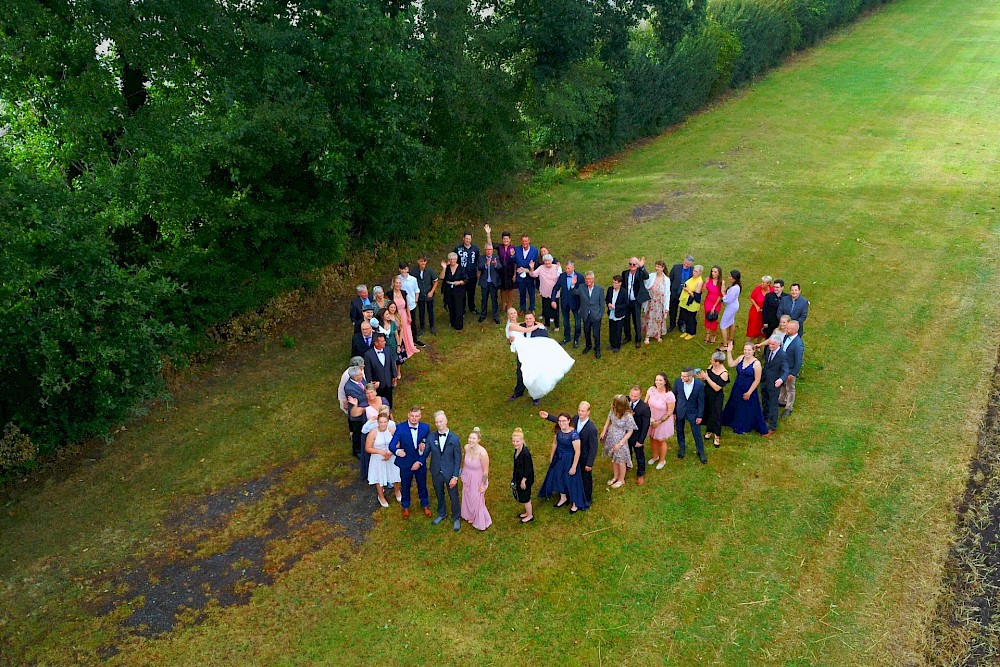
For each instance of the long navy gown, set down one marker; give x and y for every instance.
(744, 416)
(558, 479)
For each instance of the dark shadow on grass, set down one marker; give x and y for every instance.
(164, 591)
(965, 629)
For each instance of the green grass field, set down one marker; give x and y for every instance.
(865, 170)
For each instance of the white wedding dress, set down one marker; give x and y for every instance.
(543, 363)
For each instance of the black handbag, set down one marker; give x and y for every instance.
(712, 316)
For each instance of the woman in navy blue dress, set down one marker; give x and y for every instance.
(563, 476)
(743, 412)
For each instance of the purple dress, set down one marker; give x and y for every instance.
(744, 416)
(473, 502)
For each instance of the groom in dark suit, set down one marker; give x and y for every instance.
(529, 321)
(690, 394)
(588, 444)
(642, 416)
(410, 446)
(445, 463)
(771, 379)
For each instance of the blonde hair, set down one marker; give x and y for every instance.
(767, 279)
(479, 435)
(517, 433)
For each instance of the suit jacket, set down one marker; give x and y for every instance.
(793, 355)
(408, 452)
(524, 468)
(620, 305)
(358, 345)
(676, 284)
(491, 266)
(573, 301)
(592, 306)
(797, 309)
(639, 290)
(352, 389)
(446, 464)
(356, 310)
(689, 408)
(775, 369)
(588, 439)
(642, 418)
(769, 312)
(375, 371)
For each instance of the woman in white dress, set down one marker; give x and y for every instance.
(382, 470)
(543, 360)
(732, 301)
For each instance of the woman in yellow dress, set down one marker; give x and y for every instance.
(690, 303)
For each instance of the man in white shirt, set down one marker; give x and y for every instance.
(412, 289)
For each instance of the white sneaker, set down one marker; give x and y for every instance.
(617, 485)
(399, 497)
(659, 466)
(651, 461)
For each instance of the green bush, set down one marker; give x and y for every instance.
(767, 31)
(16, 449)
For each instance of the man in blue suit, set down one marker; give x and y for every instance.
(796, 307)
(569, 301)
(410, 446)
(794, 350)
(445, 463)
(690, 394)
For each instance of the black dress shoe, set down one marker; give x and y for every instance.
(680, 456)
(433, 332)
(616, 350)
(564, 341)
(637, 345)
(482, 318)
(496, 320)
(704, 460)
(586, 349)
(597, 355)
(671, 329)
(627, 340)
(420, 343)
(576, 344)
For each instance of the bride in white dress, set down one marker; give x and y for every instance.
(543, 360)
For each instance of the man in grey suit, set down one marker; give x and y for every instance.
(796, 307)
(771, 379)
(445, 464)
(794, 349)
(592, 312)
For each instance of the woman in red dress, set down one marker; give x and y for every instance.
(714, 290)
(755, 320)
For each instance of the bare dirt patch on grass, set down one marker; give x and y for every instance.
(966, 626)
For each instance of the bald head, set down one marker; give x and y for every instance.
(793, 327)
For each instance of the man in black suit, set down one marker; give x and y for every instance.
(358, 304)
(641, 414)
(564, 293)
(380, 369)
(489, 282)
(362, 341)
(634, 284)
(690, 394)
(773, 376)
(592, 312)
(445, 464)
(679, 274)
(529, 321)
(589, 444)
(468, 259)
(617, 302)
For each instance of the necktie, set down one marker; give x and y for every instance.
(633, 406)
(368, 341)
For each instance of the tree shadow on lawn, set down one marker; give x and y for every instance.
(165, 590)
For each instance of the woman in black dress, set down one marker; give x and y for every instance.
(715, 378)
(524, 475)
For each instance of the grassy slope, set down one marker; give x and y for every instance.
(863, 170)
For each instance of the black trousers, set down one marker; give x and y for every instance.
(592, 330)
(456, 307)
(675, 304)
(357, 438)
(427, 306)
(639, 451)
(470, 294)
(519, 387)
(550, 315)
(769, 401)
(688, 321)
(442, 489)
(587, 477)
(489, 291)
(699, 442)
(615, 333)
(413, 324)
(633, 321)
(565, 318)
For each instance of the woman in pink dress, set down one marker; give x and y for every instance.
(398, 296)
(475, 481)
(714, 290)
(755, 320)
(661, 402)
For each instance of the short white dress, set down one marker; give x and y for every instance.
(382, 472)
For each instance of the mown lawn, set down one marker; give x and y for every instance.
(865, 170)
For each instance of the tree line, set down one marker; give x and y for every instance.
(166, 164)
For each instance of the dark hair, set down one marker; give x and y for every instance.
(666, 380)
(687, 369)
(422, 257)
(404, 265)
(718, 281)
(616, 278)
(562, 414)
(735, 275)
(779, 281)
(466, 233)
(505, 233)
(377, 335)
(794, 285)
